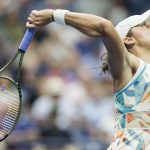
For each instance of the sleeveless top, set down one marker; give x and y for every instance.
(132, 103)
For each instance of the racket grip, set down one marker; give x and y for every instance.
(27, 39)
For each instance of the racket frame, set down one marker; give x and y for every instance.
(21, 50)
(17, 85)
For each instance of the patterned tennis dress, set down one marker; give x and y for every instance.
(132, 103)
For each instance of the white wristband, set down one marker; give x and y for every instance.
(59, 16)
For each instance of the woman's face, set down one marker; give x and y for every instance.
(141, 34)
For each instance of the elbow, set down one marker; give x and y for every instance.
(105, 27)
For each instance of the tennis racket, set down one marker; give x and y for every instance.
(10, 90)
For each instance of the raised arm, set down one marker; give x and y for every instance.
(100, 27)
(93, 26)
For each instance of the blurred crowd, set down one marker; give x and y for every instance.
(67, 99)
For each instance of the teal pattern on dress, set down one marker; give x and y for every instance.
(132, 103)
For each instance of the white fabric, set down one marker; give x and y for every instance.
(124, 26)
(59, 16)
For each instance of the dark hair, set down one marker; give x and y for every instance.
(104, 66)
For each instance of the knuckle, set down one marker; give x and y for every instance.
(29, 18)
(34, 12)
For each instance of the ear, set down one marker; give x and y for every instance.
(129, 42)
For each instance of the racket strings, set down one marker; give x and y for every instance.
(9, 106)
(6, 84)
(8, 117)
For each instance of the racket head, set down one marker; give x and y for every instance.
(10, 105)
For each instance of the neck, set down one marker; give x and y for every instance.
(145, 56)
(142, 53)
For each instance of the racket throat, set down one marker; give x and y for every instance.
(19, 74)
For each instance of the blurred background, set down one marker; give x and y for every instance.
(67, 104)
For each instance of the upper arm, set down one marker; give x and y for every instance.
(100, 27)
(118, 56)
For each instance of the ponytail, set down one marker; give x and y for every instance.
(104, 67)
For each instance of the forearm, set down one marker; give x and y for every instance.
(88, 24)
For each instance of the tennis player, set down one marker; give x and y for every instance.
(128, 57)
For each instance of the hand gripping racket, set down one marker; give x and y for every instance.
(10, 91)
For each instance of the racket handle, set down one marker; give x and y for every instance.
(27, 39)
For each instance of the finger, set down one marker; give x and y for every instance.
(36, 20)
(39, 19)
(32, 17)
(35, 13)
(33, 21)
(30, 25)
(40, 13)
(39, 23)
(30, 20)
